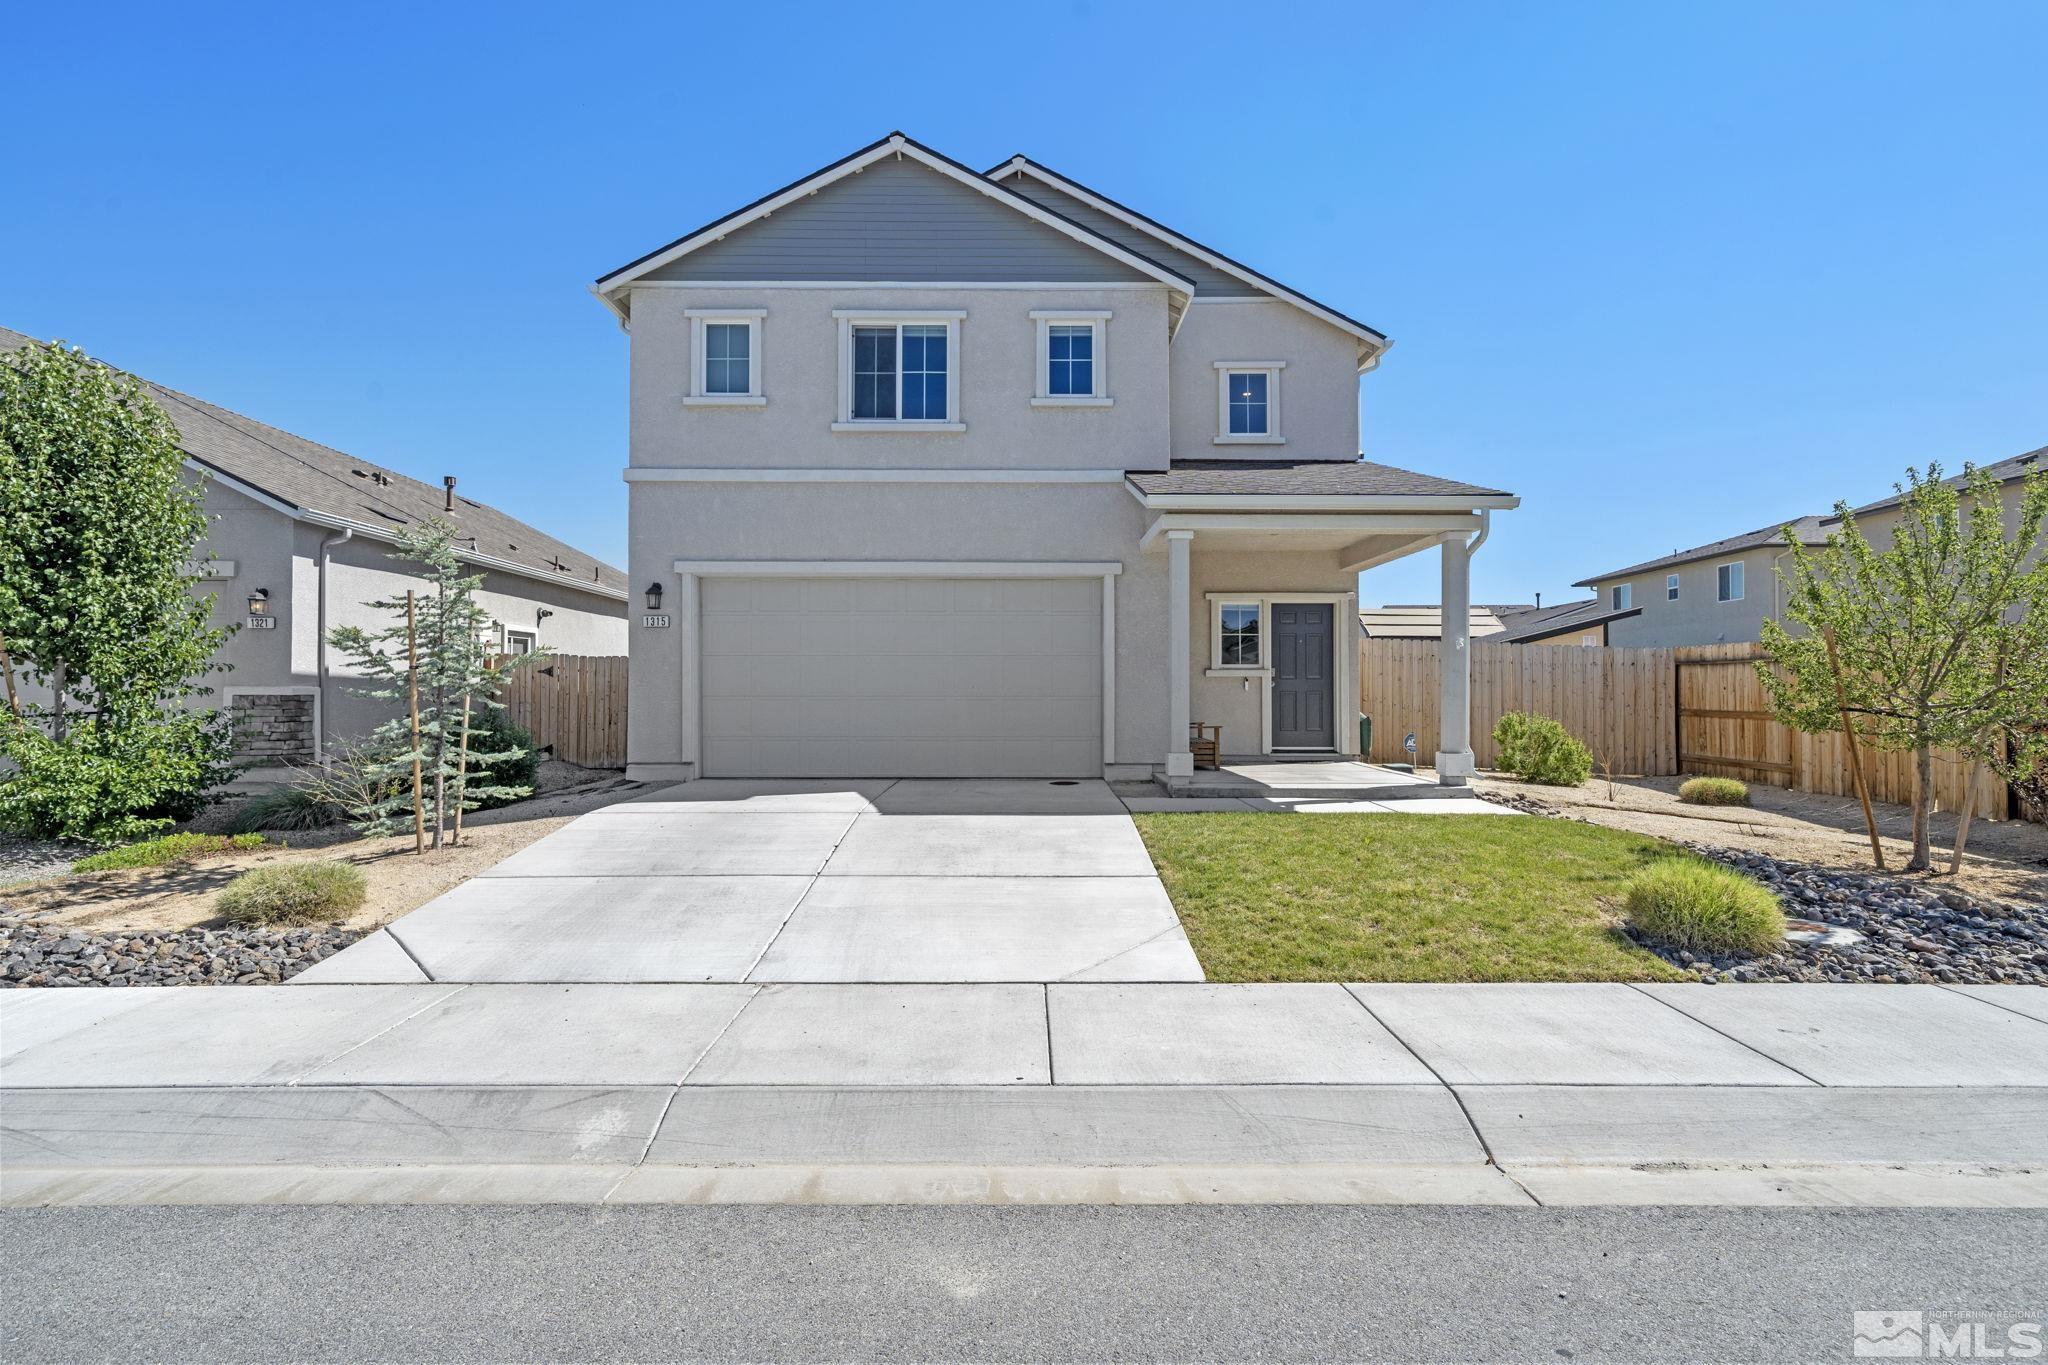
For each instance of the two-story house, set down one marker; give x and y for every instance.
(945, 473)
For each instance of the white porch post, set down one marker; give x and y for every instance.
(1180, 760)
(1454, 695)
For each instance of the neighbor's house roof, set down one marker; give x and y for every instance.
(1426, 621)
(2004, 471)
(1544, 623)
(1301, 483)
(312, 482)
(1808, 529)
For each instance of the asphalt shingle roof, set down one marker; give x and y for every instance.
(1807, 528)
(2003, 471)
(318, 478)
(1545, 622)
(1299, 478)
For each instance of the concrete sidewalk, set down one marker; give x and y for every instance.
(1111, 1092)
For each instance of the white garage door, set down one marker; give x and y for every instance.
(902, 677)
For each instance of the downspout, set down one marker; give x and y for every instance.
(1485, 530)
(320, 646)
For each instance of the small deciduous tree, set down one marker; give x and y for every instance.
(442, 656)
(1941, 638)
(103, 636)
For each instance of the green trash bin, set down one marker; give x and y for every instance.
(1364, 735)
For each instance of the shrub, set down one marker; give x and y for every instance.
(1713, 791)
(168, 848)
(292, 893)
(295, 807)
(1538, 749)
(493, 733)
(105, 783)
(1696, 905)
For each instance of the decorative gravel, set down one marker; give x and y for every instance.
(33, 954)
(1912, 931)
(25, 859)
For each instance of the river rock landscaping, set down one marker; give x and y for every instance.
(34, 953)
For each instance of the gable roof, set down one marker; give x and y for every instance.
(1807, 528)
(313, 482)
(896, 144)
(1374, 343)
(1426, 621)
(2005, 471)
(1544, 623)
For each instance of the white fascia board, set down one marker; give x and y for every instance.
(386, 535)
(897, 145)
(755, 286)
(1327, 502)
(895, 568)
(1376, 342)
(1362, 526)
(660, 474)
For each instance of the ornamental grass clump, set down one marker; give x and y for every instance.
(292, 893)
(1704, 908)
(1713, 791)
(1538, 749)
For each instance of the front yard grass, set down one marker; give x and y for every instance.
(1403, 897)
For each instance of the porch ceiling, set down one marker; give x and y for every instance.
(1354, 541)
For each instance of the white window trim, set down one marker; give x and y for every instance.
(1621, 597)
(1097, 321)
(949, 318)
(1671, 587)
(1271, 369)
(1216, 665)
(505, 634)
(1741, 577)
(697, 396)
(1343, 649)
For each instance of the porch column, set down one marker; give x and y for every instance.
(1454, 694)
(1180, 761)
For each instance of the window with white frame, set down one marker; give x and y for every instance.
(1728, 582)
(1671, 587)
(725, 350)
(1071, 359)
(1248, 402)
(1235, 638)
(1623, 596)
(519, 642)
(899, 373)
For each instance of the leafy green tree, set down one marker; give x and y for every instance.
(98, 608)
(1940, 639)
(443, 654)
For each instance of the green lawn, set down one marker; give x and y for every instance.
(1403, 897)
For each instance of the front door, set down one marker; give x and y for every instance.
(1304, 692)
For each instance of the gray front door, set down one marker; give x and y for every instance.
(1304, 693)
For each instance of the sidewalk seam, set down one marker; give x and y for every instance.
(1747, 1047)
(1957, 990)
(805, 895)
(387, 929)
(454, 989)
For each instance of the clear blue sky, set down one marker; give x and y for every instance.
(1667, 271)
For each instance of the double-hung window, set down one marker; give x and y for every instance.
(1728, 582)
(1237, 639)
(1623, 596)
(1671, 587)
(1071, 359)
(1248, 402)
(899, 373)
(725, 349)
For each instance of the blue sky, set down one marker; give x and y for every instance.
(1667, 271)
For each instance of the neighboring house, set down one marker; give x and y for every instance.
(1720, 593)
(301, 537)
(958, 474)
(1877, 520)
(1426, 621)
(1586, 622)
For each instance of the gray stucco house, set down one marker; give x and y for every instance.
(944, 472)
(301, 538)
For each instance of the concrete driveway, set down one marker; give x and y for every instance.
(800, 881)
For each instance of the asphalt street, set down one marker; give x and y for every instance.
(1075, 1283)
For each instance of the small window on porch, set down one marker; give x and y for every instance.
(1237, 635)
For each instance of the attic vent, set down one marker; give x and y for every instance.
(557, 565)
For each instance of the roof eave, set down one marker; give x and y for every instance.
(1323, 502)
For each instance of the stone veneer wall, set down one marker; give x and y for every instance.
(274, 726)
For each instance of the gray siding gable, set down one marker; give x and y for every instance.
(1209, 281)
(898, 220)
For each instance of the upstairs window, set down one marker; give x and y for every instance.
(1623, 596)
(899, 374)
(1728, 582)
(1070, 360)
(725, 346)
(1248, 402)
(1671, 587)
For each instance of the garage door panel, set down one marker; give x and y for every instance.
(916, 677)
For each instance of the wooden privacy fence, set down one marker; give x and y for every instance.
(1647, 712)
(575, 703)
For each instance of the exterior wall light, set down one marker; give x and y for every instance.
(259, 602)
(654, 596)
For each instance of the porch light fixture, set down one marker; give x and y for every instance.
(654, 596)
(259, 602)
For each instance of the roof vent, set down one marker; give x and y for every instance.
(448, 490)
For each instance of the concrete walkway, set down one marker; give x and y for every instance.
(786, 881)
(1100, 1092)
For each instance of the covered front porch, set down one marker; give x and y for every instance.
(1262, 564)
